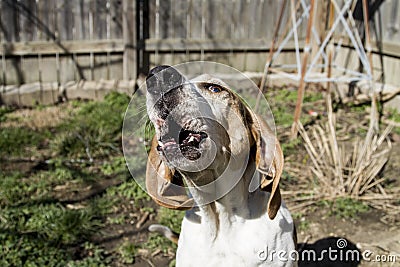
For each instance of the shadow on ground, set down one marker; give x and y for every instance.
(329, 252)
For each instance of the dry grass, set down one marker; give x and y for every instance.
(38, 118)
(347, 169)
(343, 171)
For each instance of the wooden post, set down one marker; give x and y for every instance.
(270, 55)
(300, 93)
(143, 33)
(321, 12)
(130, 46)
(374, 122)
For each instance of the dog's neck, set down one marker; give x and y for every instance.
(236, 206)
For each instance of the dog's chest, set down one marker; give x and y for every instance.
(238, 243)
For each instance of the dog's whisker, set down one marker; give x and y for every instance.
(141, 108)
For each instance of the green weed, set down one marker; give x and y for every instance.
(36, 227)
(40, 235)
(394, 115)
(290, 146)
(129, 190)
(3, 113)
(128, 251)
(20, 141)
(117, 165)
(95, 130)
(283, 102)
(170, 218)
(67, 226)
(94, 256)
(345, 207)
(302, 224)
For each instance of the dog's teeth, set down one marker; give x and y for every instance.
(160, 143)
(191, 139)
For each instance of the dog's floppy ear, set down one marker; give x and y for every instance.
(269, 161)
(164, 185)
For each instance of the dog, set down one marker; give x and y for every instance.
(207, 150)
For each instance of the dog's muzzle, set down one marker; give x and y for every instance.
(173, 109)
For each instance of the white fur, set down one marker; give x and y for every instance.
(221, 233)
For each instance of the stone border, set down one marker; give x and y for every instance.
(29, 95)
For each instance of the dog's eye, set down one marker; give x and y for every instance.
(214, 88)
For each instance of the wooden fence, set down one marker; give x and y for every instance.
(61, 41)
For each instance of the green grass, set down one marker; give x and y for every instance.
(282, 104)
(43, 235)
(170, 218)
(20, 141)
(95, 129)
(127, 252)
(39, 225)
(302, 223)
(345, 207)
(394, 115)
(129, 190)
(3, 113)
(290, 146)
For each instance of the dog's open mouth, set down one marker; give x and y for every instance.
(188, 143)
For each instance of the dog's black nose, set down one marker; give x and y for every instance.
(163, 78)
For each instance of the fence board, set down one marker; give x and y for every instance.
(84, 63)
(81, 19)
(390, 13)
(14, 74)
(152, 18)
(27, 15)
(48, 48)
(10, 21)
(100, 12)
(67, 69)
(224, 11)
(266, 27)
(196, 19)
(165, 21)
(130, 38)
(116, 19)
(100, 68)
(102, 35)
(47, 20)
(179, 18)
(28, 66)
(65, 20)
(210, 17)
(48, 69)
(115, 65)
(226, 45)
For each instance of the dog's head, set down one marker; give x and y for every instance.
(202, 128)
